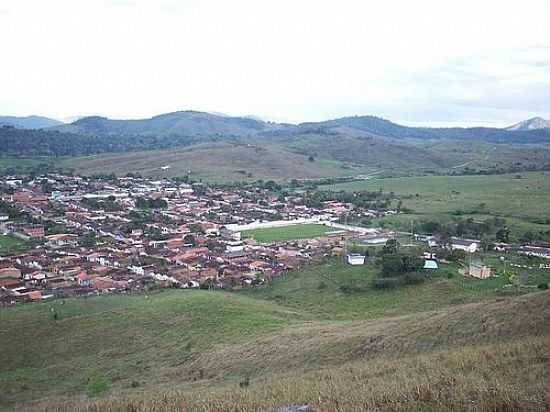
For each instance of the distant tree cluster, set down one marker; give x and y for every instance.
(146, 203)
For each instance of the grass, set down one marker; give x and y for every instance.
(220, 162)
(521, 201)
(321, 291)
(296, 342)
(10, 245)
(284, 233)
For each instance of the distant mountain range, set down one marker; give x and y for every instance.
(535, 123)
(95, 134)
(28, 122)
(200, 124)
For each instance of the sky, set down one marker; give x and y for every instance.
(431, 62)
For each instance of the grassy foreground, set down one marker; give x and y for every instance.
(442, 345)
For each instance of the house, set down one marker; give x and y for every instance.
(10, 272)
(478, 270)
(356, 259)
(543, 252)
(84, 280)
(62, 240)
(33, 231)
(467, 245)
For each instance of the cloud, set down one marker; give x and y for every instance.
(284, 59)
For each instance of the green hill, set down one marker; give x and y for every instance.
(29, 122)
(184, 123)
(435, 346)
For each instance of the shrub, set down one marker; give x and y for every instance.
(385, 283)
(98, 385)
(413, 278)
(543, 286)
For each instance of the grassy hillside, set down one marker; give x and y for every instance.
(220, 162)
(203, 350)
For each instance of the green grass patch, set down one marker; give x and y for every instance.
(10, 245)
(291, 232)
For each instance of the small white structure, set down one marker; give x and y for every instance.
(467, 245)
(356, 259)
(430, 264)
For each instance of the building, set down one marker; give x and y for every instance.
(478, 270)
(33, 231)
(356, 259)
(543, 252)
(467, 245)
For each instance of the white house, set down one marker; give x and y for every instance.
(356, 259)
(467, 245)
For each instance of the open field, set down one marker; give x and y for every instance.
(10, 245)
(320, 290)
(215, 162)
(280, 234)
(523, 199)
(193, 348)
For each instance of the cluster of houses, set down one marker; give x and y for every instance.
(90, 236)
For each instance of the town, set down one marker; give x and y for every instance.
(94, 235)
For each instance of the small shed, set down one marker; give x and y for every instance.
(356, 259)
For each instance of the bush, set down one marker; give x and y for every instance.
(98, 385)
(543, 286)
(385, 283)
(413, 278)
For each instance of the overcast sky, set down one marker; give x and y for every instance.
(416, 62)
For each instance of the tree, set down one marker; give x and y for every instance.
(391, 247)
(503, 235)
(89, 240)
(311, 158)
(392, 265)
(189, 239)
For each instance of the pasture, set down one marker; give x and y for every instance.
(523, 199)
(203, 345)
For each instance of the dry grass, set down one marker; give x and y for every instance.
(494, 377)
(478, 356)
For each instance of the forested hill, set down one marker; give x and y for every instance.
(184, 123)
(39, 142)
(28, 122)
(376, 126)
(91, 135)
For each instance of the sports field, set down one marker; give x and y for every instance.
(291, 232)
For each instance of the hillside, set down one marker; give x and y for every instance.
(346, 146)
(193, 348)
(29, 122)
(215, 162)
